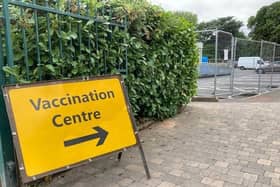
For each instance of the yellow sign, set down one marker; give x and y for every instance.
(58, 124)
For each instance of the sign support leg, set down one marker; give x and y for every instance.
(137, 136)
(120, 156)
(143, 157)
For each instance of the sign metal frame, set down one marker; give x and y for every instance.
(20, 164)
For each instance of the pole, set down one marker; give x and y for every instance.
(259, 75)
(233, 56)
(8, 175)
(8, 38)
(273, 59)
(216, 62)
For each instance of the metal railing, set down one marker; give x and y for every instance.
(58, 37)
(42, 18)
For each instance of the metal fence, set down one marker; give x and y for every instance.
(52, 32)
(216, 53)
(221, 76)
(58, 37)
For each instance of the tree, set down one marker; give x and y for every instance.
(229, 24)
(191, 17)
(266, 24)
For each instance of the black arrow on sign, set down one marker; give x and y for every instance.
(101, 134)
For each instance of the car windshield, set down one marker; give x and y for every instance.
(260, 62)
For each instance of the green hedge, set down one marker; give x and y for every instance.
(162, 61)
(162, 57)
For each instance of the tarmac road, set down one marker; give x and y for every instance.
(245, 81)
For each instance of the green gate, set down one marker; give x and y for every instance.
(52, 40)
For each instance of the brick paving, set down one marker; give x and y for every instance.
(209, 144)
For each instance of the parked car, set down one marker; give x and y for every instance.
(270, 67)
(249, 62)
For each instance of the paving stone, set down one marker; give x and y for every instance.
(167, 184)
(91, 170)
(235, 173)
(257, 171)
(115, 185)
(125, 182)
(156, 161)
(244, 145)
(152, 182)
(192, 163)
(250, 150)
(259, 185)
(231, 179)
(243, 163)
(203, 166)
(275, 182)
(217, 183)
(80, 184)
(272, 175)
(228, 184)
(276, 142)
(177, 172)
(156, 174)
(264, 162)
(248, 183)
(207, 180)
(231, 160)
(268, 168)
(277, 170)
(244, 153)
(137, 184)
(236, 167)
(276, 164)
(178, 180)
(221, 164)
(274, 158)
(264, 180)
(185, 175)
(212, 182)
(117, 171)
(250, 177)
(191, 183)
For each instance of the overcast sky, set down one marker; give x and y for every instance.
(211, 9)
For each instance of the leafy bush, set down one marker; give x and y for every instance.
(162, 61)
(159, 46)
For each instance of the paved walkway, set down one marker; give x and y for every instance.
(273, 96)
(209, 144)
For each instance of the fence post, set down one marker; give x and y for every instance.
(259, 75)
(8, 39)
(233, 51)
(216, 61)
(7, 159)
(273, 59)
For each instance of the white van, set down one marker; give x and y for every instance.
(249, 62)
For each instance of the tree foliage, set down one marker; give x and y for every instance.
(191, 17)
(228, 24)
(266, 24)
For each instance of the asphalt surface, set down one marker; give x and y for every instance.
(245, 82)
